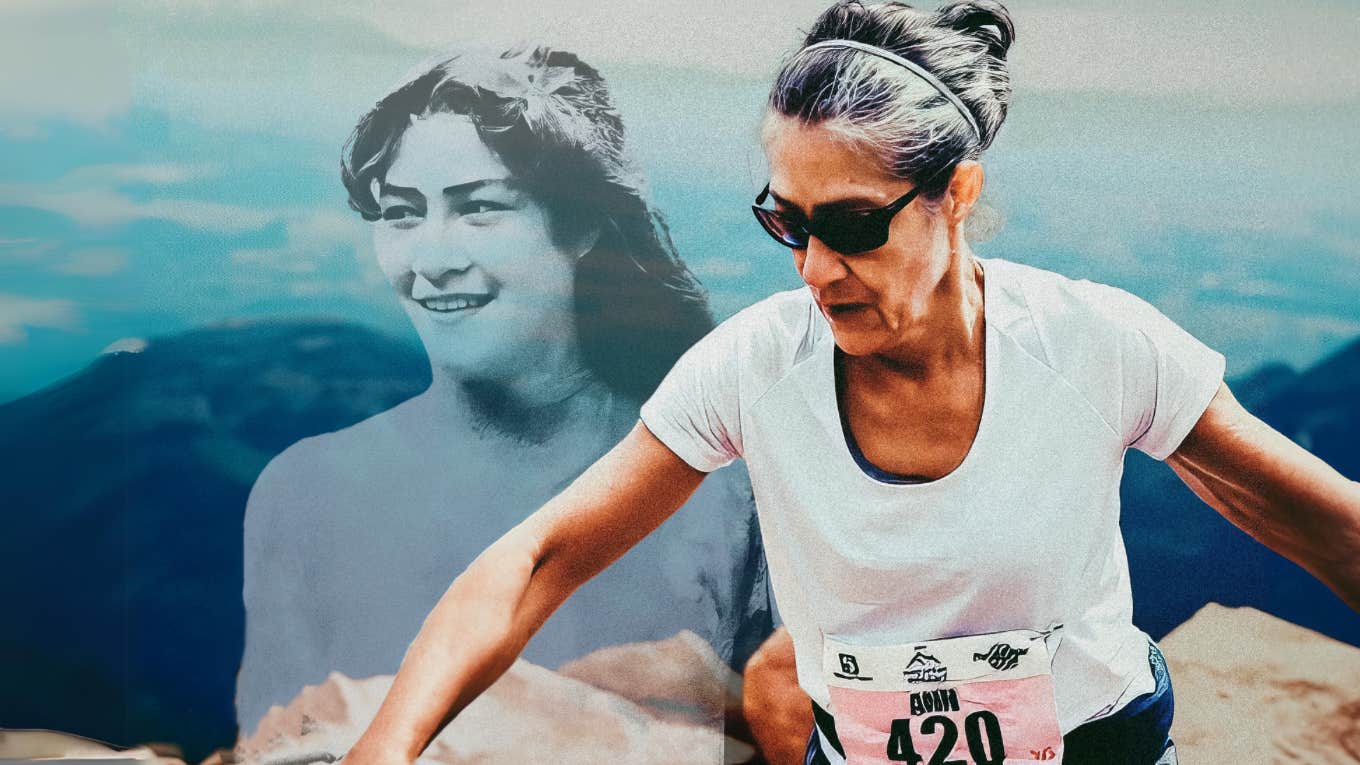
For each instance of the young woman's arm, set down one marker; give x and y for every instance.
(488, 614)
(1273, 489)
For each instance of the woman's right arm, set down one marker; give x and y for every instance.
(488, 614)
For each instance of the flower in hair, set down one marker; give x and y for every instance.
(534, 84)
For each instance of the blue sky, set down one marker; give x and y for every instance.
(165, 165)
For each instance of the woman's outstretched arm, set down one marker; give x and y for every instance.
(1273, 489)
(488, 614)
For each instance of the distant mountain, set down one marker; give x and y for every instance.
(1182, 554)
(125, 486)
(124, 492)
(1255, 389)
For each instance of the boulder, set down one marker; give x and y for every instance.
(1254, 688)
(656, 703)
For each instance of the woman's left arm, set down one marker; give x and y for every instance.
(1276, 491)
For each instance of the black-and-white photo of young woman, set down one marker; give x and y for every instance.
(513, 230)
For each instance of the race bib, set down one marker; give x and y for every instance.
(978, 700)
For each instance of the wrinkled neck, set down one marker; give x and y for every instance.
(952, 334)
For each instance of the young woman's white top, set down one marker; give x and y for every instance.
(1024, 534)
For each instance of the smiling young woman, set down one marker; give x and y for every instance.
(935, 442)
(472, 259)
(511, 227)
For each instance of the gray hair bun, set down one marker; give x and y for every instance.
(916, 131)
(986, 20)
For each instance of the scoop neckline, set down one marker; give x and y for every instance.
(849, 447)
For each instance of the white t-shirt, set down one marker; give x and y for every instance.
(1024, 534)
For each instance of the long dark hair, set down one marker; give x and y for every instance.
(549, 117)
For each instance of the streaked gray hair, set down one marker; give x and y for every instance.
(885, 108)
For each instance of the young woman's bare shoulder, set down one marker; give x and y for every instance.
(330, 470)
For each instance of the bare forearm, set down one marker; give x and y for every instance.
(1319, 528)
(1322, 536)
(1283, 496)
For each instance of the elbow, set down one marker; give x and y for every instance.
(1335, 550)
(1347, 554)
(510, 584)
(503, 572)
(1344, 538)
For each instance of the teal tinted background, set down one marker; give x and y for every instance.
(169, 165)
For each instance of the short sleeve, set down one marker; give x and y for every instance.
(695, 411)
(1168, 376)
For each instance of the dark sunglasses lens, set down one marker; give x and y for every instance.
(853, 234)
(784, 231)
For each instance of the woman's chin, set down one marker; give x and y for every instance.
(474, 350)
(856, 342)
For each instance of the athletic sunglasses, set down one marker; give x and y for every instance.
(845, 231)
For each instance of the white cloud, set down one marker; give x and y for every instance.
(94, 262)
(309, 237)
(1254, 54)
(1252, 335)
(91, 196)
(325, 252)
(155, 174)
(299, 69)
(744, 39)
(108, 207)
(310, 67)
(1266, 52)
(1269, 51)
(207, 216)
(18, 314)
(27, 250)
(61, 61)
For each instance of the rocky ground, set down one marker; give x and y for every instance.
(1250, 688)
(659, 703)
(1253, 688)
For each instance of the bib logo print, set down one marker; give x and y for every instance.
(967, 700)
(924, 668)
(1001, 656)
(850, 668)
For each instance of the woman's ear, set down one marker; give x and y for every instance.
(965, 186)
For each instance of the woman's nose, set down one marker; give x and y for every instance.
(821, 264)
(440, 250)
